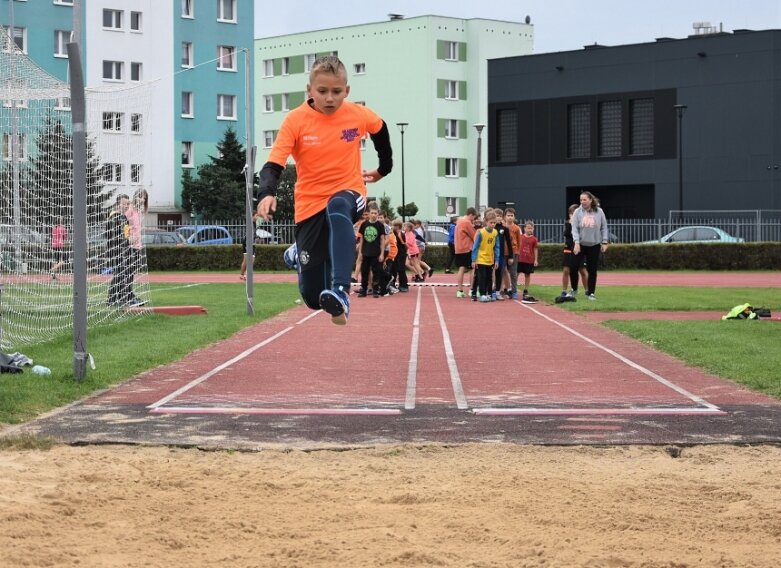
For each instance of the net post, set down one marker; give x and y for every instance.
(78, 115)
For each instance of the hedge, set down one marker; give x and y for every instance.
(717, 256)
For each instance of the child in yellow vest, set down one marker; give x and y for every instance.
(485, 255)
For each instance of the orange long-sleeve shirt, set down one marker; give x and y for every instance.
(327, 152)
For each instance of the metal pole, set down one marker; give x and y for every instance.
(14, 153)
(402, 127)
(479, 127)
(679, 109)
(249, 171)
(78, 114)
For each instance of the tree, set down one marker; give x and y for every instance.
(409, 210)
(47, 185)
(287, 183)
(219, 190)
(385, 207)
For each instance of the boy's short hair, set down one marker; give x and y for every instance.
(490, 215)
(396, 224)
(499, 212)
(509, 211)
(529, 222)
(471, 211)
(372, 206)
(328, 64)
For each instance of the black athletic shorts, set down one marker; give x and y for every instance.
(312, 235)
(464, 259)
(525, 267)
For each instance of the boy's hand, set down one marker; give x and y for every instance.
(371, 176)
(267, 207)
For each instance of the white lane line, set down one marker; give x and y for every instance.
(205, 376)
(669, 384)
(239, 357)
(412, 368)
(276, 411)
(455, 378)
(593, 411)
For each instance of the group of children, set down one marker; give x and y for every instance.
(385, 252)
(498, 251)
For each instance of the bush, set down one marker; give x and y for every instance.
(721, 256)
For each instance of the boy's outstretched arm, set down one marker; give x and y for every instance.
(381, 141)
(269, 179)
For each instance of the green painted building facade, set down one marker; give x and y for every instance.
(427, 71)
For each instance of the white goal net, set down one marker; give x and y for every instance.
(36, 201)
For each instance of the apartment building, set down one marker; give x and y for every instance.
(425, 75)
(192, 52)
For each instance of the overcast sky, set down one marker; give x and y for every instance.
(559, 25)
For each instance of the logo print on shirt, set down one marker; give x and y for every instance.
(350, 134)
(370, 234)
(588, 220)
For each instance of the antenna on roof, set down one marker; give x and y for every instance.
(396, 16)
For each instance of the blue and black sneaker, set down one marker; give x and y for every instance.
(290, 256)
(337, 303)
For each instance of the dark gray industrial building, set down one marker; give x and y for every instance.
(605, 119)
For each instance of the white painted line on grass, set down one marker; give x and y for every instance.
(669, 384)
(455, 377)
(412, 368)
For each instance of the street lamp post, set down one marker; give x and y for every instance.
(479, 127)
(402, 127)
(679, 109)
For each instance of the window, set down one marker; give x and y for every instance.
(63, 103)
(451, 90)
(187, 9)
(187, 54)
(112, 70)
(286, 66)
(309, 60)
(507, 137)
(136, 173)
(451, 128)
(268, 138)
(451, 167)
(609, 129)
(19, 35)
(18, 103)
(112, 19)
(64, 2)
(135, 71)
(112, 121)
(452, 51)
(285, 101)
(187, 154)
(226, 58)
(359, 68)
(188, 109)
(136, 122)
(61, 39)
(226, 107)
(112, 173)
(268, 103)
(135, 21)
(20, 150)
(227, 11)
(579, 130)
(641, 127)
(268, 67)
